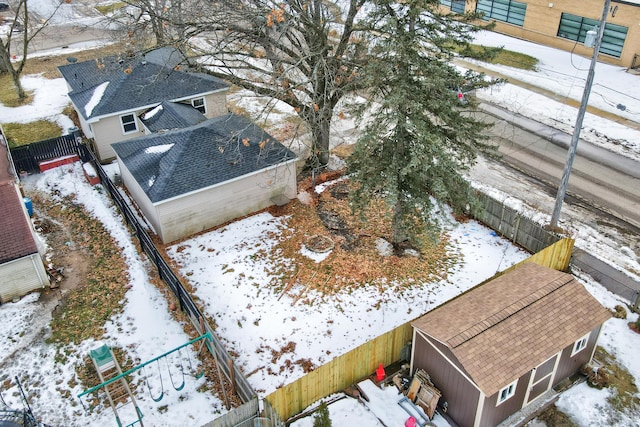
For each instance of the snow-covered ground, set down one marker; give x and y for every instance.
(270, 322)
(145, 329)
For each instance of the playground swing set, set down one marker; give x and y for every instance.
(116, 388)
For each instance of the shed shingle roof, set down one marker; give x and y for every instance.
(16, 240)
(508, 326)
(180, 161)
(134, 82)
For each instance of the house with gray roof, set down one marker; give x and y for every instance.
(501, 345)
(111, 94)
(190, 179)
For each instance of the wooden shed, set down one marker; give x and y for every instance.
(496, 348)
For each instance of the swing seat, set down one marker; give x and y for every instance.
(103, 358)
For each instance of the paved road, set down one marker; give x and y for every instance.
(58, 37)
(603, 179)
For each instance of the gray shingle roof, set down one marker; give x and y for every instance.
(134, 82)
(179, 161)
(171, 115)
(509, 325)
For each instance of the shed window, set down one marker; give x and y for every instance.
(199, 105)
(575, 28)
(507, 392)
(129, 123)
(512, 12)
(580, 344)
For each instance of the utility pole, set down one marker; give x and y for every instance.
(562, 189)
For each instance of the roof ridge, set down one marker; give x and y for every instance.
(169, 162)
(513, 308)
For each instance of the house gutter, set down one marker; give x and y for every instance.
(95, 119)
(238, 178)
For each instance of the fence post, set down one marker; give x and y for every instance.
(636, 302)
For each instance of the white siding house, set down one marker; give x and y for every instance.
(192, 179)
(111, 94)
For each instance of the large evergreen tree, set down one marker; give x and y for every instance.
(418, 138)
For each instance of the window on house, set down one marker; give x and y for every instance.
(512, 12)
(456, 6)
(129, 123)
(199, 105)
(580, 344)
(575, 28)
(507, 392)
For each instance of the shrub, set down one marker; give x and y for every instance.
(321, 417)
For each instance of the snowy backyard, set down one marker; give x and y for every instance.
(232, 277)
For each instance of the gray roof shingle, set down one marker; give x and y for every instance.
(171, 115)
(179, 161)
(134, 82)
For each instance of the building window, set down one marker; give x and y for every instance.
(199, 105)
(129, 123)
(508, 11)
(575, 28)
(456, 6)
(507, 392)
(580, 345)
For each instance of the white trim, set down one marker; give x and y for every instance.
(238, 178)
(95, 119)
(510, 389)
(38, 266)
(448, 360)
(479, 409)
(413, 351)
(122, 123)
(529, 386)
(593, 351)
(199, 95)
(203, 106)
(584, 340)
(551, 376)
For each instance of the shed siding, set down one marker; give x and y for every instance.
(569, 365)
(193, 213)
(21, 276)
(542, 21)
(461, 396)
(545, 369)
(493, 415)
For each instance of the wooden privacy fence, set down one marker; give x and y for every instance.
(514, 225)
(27, 157)
(245, 416)
(362, 361)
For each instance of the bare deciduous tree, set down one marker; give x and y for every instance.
(14, 46)
(304, 53)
